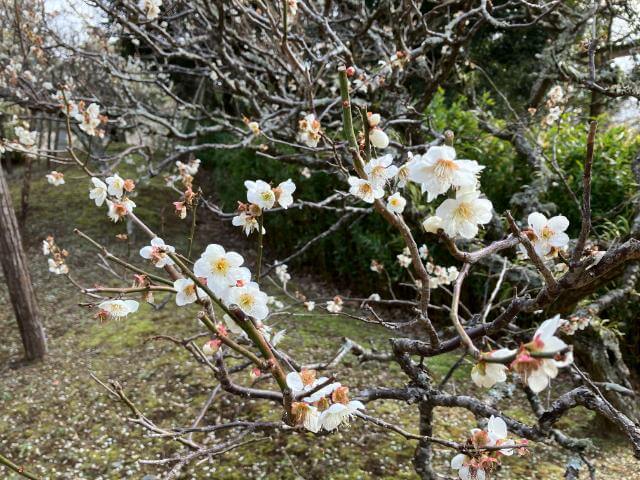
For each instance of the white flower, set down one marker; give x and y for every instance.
(309, 131)
(25, 137)
(284, 193)
(186, 291)
(438, 170)
(335, 305)
(90, 119)
(423, 251)
(282, 274)
(57, 268)
(364, 190)
(55, 178)
(487, 374)
(221, 269)
(115, 185)
(254, 127)
(157, 253)
(119, 308)
(190, 168)
(396, 203)
(99, 191)
(404, 260)
(548, 234)
(306, 381)
(380, 170)
(537, 372)
(46, 247)
(250, 299)
(248, 222)
(119, 209)
(466, 471)
(374, 297)
(462, 215)
(260, 194)
(310, 305)
(378, 138)
(432, 224)
(339, 413)
(151, 8)
(374, 119)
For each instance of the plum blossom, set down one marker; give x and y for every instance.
(115, 185)
(90, 119)
(254, 127)
(547, 235)
(341, 411)
(310, 305)
(335, 305)
(306, 381)
(462, 215)
(477, 467)
(260, 193)
(25, 137)
(378, 138)
(432, 224)
(99, 191)
(438, 170)
(157, 253)
(380, 170)
(187, 292)
(487, 374)
(365, 190)
(396, 203)
(284, 193)
(55, 178)
(306, 415)
(119, 209)
(248, 222)
(423, 251)
(309, 131)
(536, 371)
(58, 266)
(151, 8)
(118, 308)
(211, 346)
(404, 259)
(250, 299)
(283, 274)
(221, 269)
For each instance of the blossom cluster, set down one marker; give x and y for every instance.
(537, 362)
(261, 196)
(485, 447)
(327, 405)
(88, 116)
(25, 141)
(113, 191)
(57, 256)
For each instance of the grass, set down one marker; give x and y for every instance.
(57, 422)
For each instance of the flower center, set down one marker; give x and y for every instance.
(378, 171)
(547, 233)
(267, 195)
(221, 266)
(190, 289)
(246, 301)
(365, 189)
(445, 167)
(464, 211)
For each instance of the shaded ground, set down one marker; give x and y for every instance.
(57, 422)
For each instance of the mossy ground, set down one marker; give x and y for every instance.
(56, 421)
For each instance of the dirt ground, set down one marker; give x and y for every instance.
(57, 422)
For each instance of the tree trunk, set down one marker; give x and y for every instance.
(18, 280)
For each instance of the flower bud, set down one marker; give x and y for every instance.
(211, 347)
(374, 119)
(351, 71)
(378, 138)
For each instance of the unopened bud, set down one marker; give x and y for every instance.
(351, 71)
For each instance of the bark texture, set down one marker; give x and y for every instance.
(18, 279)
